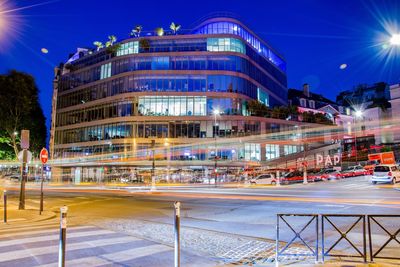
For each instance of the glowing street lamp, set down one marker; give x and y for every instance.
(395, 39)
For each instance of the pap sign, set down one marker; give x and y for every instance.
(327, 160)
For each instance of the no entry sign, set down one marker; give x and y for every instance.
(44, 155)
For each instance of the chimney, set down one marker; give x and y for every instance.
(306, 89)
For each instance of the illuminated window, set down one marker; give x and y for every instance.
(271, 151)
(225, 44)
(252, 152)
(263, 97)
(105, 71)
(288, 149)
(128, 48)
(172, 105)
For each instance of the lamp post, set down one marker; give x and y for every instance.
(216, 112)
(358, 114)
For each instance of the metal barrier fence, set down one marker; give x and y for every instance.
(392, 236)
(343, 235)
(297, 235)
(327, 219)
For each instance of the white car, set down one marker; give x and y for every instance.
(264, 179)
(385, 174)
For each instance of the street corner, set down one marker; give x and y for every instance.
(16, 216)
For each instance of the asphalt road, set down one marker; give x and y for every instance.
(241, 213)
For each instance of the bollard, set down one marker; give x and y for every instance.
(5, 205)
(63, 232)
(177, 252)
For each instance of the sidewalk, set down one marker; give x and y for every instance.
(29, 214)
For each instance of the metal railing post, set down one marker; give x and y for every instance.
(177, 213)
(277, 240)
(317, 241)
(5, 205)
(63, 233)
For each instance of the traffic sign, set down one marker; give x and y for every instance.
(44, 155)
(25, 139)
(28, 156)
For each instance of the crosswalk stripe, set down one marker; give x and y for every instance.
(43, 231)
(33, 252)
(15, 229)
(49, 238)
(131, 254)
(107, 259)
(21, 226)
(83, 262)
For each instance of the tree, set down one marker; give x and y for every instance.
(99, 45)
(256, 108)
(175, 27)
(159, 31)
(136, 31)
(111, 40)
(20, 109)
(144, 44)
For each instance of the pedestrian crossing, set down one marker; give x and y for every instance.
(36, 244)
(360, 186)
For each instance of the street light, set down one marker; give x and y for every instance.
(395, 39)
(216, 112)
(358, 114)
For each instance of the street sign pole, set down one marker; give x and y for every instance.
(23, 180)
(41, 192)
(24, 171)
(44, 156)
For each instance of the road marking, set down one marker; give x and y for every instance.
(135, 253)
(37, 251)
(88, 261)
(24, 225)
(49, 238)
(121, 256)
(44, 231)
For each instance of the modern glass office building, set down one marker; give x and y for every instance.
(169, 98)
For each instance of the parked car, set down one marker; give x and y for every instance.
(295, 177)
(314, 175)
(353, 171)
(385, 174)
(331, 174)
(264, 179)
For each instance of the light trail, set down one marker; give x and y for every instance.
(227, 196)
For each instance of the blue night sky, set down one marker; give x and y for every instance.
(315, 36)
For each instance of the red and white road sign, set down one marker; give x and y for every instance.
(44, 155)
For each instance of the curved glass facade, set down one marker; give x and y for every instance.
(169, 88)
(225, 27)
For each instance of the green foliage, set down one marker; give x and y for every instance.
(136, 31)
(144, 44)
(113, 49)
(159, 31)
(175, 27)
(315, 118)
(256, 108)
(20, 109)
(99, 45)
(386, 149)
